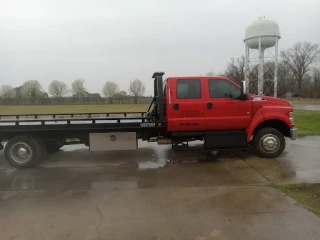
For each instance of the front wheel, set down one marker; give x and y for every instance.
(269, 142)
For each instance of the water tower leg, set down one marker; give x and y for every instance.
(276, 70)
(246, 67)
(261, 62)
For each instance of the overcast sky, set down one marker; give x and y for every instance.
(120, 40)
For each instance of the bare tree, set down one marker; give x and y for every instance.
(235, 69)
(210, 73)
(31, 89)
(299, 58)
(315, 84)
(137, 89)
(285, 80)
(78, 88)
(58, 89)
(214, 74)
(7, 92)
(110, 89)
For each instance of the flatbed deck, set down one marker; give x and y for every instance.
(74, 124)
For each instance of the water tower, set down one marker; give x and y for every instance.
(262, 34)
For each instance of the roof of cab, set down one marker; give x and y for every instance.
(200, 77)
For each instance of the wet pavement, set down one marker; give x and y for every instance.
(315, 107)
(157, 193)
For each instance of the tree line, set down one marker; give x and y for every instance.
(32, 89)
(298, 72)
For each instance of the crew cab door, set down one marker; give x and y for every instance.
(225, 109)
(186, 108)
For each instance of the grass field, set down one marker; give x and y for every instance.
(73, 109)
(304, 193)
(308, 122)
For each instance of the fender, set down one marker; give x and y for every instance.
(269, 113)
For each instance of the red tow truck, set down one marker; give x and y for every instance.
(212, 109)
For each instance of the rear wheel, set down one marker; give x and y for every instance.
(269, 142)
(24, 151)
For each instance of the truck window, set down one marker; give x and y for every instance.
(190, 88)
(223, 89)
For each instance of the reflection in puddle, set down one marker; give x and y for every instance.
(80, 170)
(153, 165)
(161, 153)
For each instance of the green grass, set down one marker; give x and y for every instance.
(73, 109)
(307, 122)
(306, 194)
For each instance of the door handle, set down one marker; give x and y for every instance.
(209, 105)
(176, 106)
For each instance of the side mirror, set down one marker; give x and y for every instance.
(244, 94)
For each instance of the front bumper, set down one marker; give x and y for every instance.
(294, 133)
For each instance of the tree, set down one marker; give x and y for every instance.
(285, 79)
(58, 89)
(121, 94)
(78, 88)
(315, 84)
(210, 73)
(136, 89)
(109, 90)
(31, 89)
(6, 92)
(235, 69)
(299, 58)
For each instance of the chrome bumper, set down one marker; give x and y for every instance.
(294, 133)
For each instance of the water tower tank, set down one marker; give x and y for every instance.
(267, 30)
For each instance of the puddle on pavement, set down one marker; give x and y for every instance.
(159, 166)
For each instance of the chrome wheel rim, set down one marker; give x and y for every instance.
(21, 152)
(269, 143)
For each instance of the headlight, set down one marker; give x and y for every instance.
(291, 117)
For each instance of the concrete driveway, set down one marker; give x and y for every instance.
(154, 193)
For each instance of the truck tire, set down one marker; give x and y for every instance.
(268, 142)
(24, 151)
(54, 147)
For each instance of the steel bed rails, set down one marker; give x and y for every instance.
(53, 121)
(71, 115)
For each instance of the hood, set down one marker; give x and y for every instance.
(266, 101)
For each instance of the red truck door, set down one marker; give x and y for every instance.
(186, 105)
(225, 109)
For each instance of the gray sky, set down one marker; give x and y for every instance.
(119, 40)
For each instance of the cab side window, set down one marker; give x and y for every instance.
(190, 88)
(223, 89)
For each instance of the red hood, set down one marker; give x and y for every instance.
(265, 101)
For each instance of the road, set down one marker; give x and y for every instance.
(155, 193)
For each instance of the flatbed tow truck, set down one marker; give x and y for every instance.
(214, 110)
